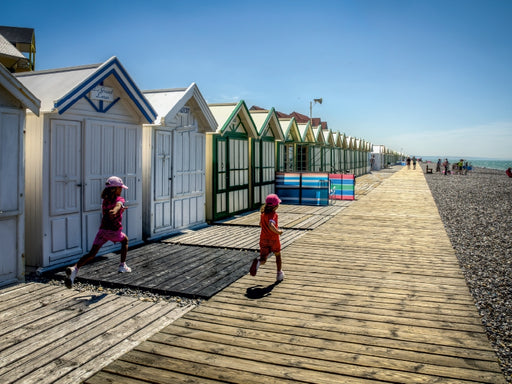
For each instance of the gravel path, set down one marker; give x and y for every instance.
(476, 211)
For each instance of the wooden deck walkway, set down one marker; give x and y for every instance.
(51, 334)
(374, 295)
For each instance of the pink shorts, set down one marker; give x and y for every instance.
(105, 235)
(268, 246)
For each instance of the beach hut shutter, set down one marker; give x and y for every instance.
(9, 164)
(188, 177)
(269, 168)
(10, 170)
(112, 149)
(162, 175)
(257, 161)
(238, 174)
(222, 182)
(65, 186)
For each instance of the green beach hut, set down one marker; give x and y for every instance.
(338, 157)
(328, 150)
(292, 146)
(317, 150)
(228, 161)
(264, 153)
(304, 155)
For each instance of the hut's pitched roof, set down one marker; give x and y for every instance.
(290, 129)
(168, 102)
(224, 114)
(306, 133)
(59, 89)
(17, 35)
(319, 136)
(12, 85)
(265, 120)
(328, 136)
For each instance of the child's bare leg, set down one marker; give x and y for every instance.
(71, 272)
(124, 249)
(278, 261)
(88, 257)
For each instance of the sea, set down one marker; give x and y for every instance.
(474, 161)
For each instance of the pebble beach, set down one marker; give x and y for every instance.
(476, 211)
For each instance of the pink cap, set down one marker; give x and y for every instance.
(272, 200)
(114, 181)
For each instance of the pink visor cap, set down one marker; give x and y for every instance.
(272, 200)
(114, 181)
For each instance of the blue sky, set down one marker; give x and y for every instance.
(426, 77)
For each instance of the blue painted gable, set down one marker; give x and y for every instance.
(110, 67)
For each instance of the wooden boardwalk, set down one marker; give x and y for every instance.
(373, 295)
(51, 334)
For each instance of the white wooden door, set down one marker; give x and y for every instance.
(162, 219)
(188, 178)
(65, 189)
(112, 148)
(11, 155)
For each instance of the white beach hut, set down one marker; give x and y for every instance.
(90, 128)
(14, 100)
(174, 161)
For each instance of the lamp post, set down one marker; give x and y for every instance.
(319, 101)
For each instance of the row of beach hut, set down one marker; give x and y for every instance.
(63, 132)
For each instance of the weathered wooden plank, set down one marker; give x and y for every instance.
(104, 377)
(384, 368)
(141, 327)
(267, 367)
(345, 335)
(324, 341)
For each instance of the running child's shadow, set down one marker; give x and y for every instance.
(258, 292)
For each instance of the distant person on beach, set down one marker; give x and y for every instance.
(408, 162)
(269, 236)
(446, 166)
(372, 163)
(509, 172)
(438, 166)
(414, 162)
(110, 228)
(459, 166)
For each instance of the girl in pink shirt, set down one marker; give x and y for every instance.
(110, 229)
(269, 236)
